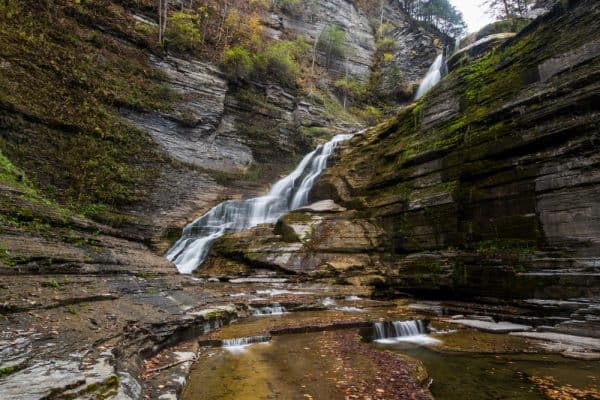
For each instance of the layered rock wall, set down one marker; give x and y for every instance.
(487, 187)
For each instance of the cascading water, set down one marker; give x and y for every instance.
(395, 329)
(239, 344)
(402, 331)
(434, 75)
(273, 309)
(286, 195)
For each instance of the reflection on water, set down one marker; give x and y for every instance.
(463, 376)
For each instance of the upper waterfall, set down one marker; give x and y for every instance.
(434, 75)
(287, 194)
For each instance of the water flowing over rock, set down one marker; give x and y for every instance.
(434, 75)
(273, 309)
(396, 329)
(288, 194)
(245, 341)
(402, 331)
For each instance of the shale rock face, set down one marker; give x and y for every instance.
(415, 48)
(311, 23)
(321, 242)
(493, 177)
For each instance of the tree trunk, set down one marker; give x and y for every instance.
(506, 8)
(160, 14)
(164, 18)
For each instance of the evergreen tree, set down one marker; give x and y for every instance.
(440, 13)
(504, 9)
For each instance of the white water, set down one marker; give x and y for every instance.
(287, 194)
(328, 301)
(349, 309)
(238, 344)
(402, 331)
(273, 309)
(278, 292)
(434, 75)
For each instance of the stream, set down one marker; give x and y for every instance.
(462, 364)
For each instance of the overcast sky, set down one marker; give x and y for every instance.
(474, 13)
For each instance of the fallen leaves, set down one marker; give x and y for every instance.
(553, 391)
(387, 377)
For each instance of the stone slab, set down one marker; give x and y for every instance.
(492, 327)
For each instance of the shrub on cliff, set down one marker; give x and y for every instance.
(280, 61)
(331, 42)
(237, 63)
(351, 88)
(371, 115)
(183, 32)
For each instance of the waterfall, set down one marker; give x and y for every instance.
(286, 195)
(396, 329)
(456, 44)
(273, 309)
(238, 344)
(402, 331)
(434, 75)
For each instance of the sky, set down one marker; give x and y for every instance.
(473, 13)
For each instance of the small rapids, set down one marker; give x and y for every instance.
(273, 309)
(238, 344)
(286, 195)
(402, 331)
(332, 304)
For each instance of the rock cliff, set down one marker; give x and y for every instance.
(109, 145)
(486, 188)
(171, 133)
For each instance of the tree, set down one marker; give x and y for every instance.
(163, 8)
(331, 41)
(439, 13)
(505, 9)
(183, 31)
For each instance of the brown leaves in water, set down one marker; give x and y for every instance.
(553, 391)
(388, 377)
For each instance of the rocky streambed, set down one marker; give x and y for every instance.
(144, 335)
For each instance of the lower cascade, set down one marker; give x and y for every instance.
(244, 341)
(273, 309)
(398, 329)
(286, 195)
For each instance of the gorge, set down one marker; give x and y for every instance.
(298, 199)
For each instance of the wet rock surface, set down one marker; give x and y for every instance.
(492, 327)
(141, 339)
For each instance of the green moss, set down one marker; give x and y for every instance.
(296, 217)
(459, 273)
(11, 370)
(506, 246)
(5, 257)
(71, 310)
(52, 283)
(215, 314)
(316, 132)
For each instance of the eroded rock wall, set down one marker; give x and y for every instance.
(488, 187)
